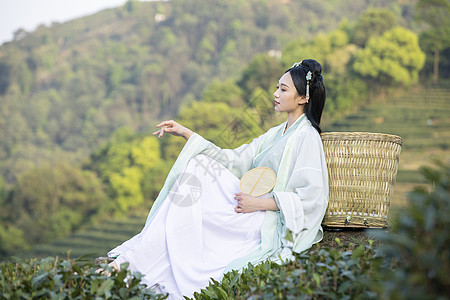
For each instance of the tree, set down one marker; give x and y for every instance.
(373, 22)
(262, 72)
(336, 55)
(319, 48)
(393, 58)
(209, 119)
(122, 164)
(115, 76)
(11, 240)
(53, 200)
(127, 188)
(3, 196)
(435, 39)
(223, 92)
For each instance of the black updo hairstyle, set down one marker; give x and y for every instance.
(317, 94)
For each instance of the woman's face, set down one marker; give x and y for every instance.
(287, 98)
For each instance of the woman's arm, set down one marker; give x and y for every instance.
(248, 204)
(173, 128)
(237, 160)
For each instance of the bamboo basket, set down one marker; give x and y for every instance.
(362, 168)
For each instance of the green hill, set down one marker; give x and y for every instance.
(66, 88)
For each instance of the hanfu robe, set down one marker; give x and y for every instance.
(192, 232)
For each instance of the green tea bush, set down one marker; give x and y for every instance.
(412, 262)
(418, 247)
(54, 278)
(339, 273)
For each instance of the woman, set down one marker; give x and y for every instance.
(202, 226)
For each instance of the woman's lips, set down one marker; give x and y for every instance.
(276, 102)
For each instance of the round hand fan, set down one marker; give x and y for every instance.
(258, 181)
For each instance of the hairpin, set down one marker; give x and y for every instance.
(297, 64)
(308, 78)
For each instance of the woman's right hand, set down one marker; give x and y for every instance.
(173, 128)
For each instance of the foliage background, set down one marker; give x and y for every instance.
(79, 99)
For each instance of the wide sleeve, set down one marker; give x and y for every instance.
(238, 160)
(304, 201)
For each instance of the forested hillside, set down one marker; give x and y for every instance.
(79, 99)
(65, 88)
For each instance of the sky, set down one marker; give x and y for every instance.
(29, 14)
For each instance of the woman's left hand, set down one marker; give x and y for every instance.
(247, 203)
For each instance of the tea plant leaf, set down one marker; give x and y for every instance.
(105, 288)
(358, 252)
(316, 278)
(94, 286)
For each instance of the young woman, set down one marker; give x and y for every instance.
(202, 226)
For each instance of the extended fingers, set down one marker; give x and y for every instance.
(157, 132)
(166, 123)
(165, 129)
(166, 126)
(161, 131)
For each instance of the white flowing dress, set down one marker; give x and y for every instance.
(193, 234)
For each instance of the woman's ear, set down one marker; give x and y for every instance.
(302, 100)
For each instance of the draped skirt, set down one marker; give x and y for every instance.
(194, 234)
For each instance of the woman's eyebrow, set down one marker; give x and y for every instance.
(284, 85)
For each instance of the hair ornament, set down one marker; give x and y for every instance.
(297, 64)
(308, 78)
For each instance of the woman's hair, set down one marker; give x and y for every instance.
(317, 94)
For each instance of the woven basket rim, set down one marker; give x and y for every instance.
(368, 136)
